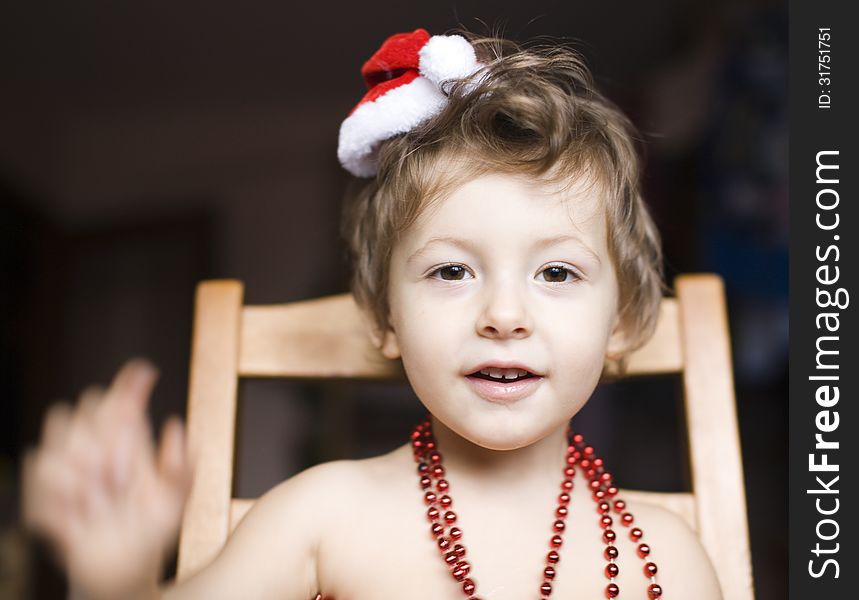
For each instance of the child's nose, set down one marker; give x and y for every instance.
(504, 315)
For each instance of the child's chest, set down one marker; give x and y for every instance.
(384, 549)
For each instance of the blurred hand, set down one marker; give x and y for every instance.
(98, 490)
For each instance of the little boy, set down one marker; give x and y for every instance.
(501, 251)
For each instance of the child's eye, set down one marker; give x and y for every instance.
(450, 273)
(559, 274)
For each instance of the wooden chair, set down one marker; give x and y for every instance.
(327, 337)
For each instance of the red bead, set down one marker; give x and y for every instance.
(455, 533)
(553, 557)
(445, 501)
(598, 462)
(606, 521)
(569, 472)
(612, 591)
(571, 460)
(422, 468)
(567, 485)
(599, 495)
(643, 550)
(588, 450)
(564, 498)
(468, 587)
(654, 590)
(442, 485)
(437, 471)
(460, 570)
(602, 508)
(437, 529)
(635, 534)
(425, 482)
(450, 557)
(559, 525)
(549, 572)
(594, 484)
(561, 512)
(591, 473)
(432, 513)
(460, 550)
(450, 517)
(650, 569)
(611, 570)
(429, 445)
(627, 518)
(443, 543)
(585, 463)
(435, 457)
(610, 553)
(430, 497)
(619, 505)
(417, 445)
(546, 588)
(578, 438)
(609, 536)
(611, 491)
(416, 433)
(556, 541)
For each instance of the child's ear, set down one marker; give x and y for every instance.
(386, 341)
(390, 346)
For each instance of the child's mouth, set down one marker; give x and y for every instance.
(504, 385)
(502, 375)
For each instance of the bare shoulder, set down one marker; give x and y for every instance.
(685, 569)
(274, 549)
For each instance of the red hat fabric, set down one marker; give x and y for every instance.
(404, 80)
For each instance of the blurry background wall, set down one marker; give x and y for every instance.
(146, 146)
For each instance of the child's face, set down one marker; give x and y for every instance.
(504, 272)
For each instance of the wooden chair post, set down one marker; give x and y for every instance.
(714, 441)
(211, 421)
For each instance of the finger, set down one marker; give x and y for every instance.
(131, 388)
(56, 425)
(89, 402)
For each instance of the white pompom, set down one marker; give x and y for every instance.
(446, 57)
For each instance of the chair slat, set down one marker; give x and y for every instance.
(714, 444)
(211, 422)
(326, 337)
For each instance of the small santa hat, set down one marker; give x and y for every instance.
(404, 79)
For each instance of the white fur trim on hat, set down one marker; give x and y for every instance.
(446, 57)
(397, 111)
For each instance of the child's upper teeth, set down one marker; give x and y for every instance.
(503, 373)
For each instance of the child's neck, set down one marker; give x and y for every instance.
(471, 465)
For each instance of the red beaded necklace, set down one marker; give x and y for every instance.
(448, 536)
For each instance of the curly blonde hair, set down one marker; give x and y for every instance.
(530, 111)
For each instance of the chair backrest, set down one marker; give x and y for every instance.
(328, 338)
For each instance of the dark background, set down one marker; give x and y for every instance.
(146, 146)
